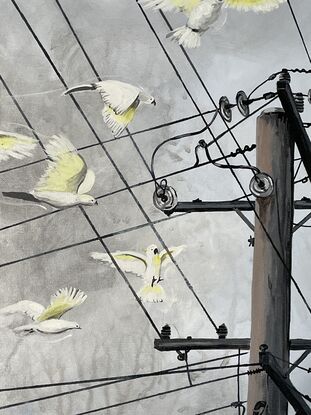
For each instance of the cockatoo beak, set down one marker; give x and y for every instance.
(96, 203)
(80, 88)
(154, 103)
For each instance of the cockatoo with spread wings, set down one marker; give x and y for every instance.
(15, 145)
(47, 320)
(121, 102)
(66, 180)
(203, 15)
(148, 266)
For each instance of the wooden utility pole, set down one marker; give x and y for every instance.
(271, 279)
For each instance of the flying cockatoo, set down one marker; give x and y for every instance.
(66, 180)
(200, 18)
(15, 145)
(121, 102)
(204, 14)
(47, 320)
(148, 266)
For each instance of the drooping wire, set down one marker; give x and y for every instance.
(124, 377)
(176, 138)
(118, 381)
(159, 394)
(308, 370)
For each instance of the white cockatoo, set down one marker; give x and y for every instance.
(200, 19)
(15, 145)
(205, 14)
(66, 180)
(121, 102)
(47, 320)
(148, 266)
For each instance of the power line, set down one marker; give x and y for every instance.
(88, 388)
(87, 241)
(159, 394)
(299, 30)
(124, 377)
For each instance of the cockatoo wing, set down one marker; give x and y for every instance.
(62, 301)
(119, 96)
(174, 251)
(66, 170)
(118, 123)
(28, 308)
(172, 5)
(256, 5)
(88, 182)
(15, 145)
(128, 261)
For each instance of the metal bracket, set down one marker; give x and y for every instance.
(298, 361)
(260, 408)
(245, 219)
(302, 222)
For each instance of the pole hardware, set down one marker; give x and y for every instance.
(225, 108)
(165, 197)
(261, 185)
(268, 362)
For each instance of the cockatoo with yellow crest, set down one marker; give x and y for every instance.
(148, 266)
(66, 180)
(121, 102)
(47, 319)
(204, 14)
(15, 145)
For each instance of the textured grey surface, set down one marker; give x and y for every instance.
(116, 338)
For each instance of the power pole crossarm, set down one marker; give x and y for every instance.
(298, 131)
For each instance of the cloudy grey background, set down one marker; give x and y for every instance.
(117, 339)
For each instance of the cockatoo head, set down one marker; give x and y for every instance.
(151, 251)
(87, 200)
(147, 99)
(73, 325)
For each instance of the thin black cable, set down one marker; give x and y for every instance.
(188, 370)
(136, 200)
(308, 370)
(203, 85)
(238, 381)
(102, 379)
(87, 241)
(298, 168)
(176, 138)
(158, 394)
(88, 388)
(299, 30)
